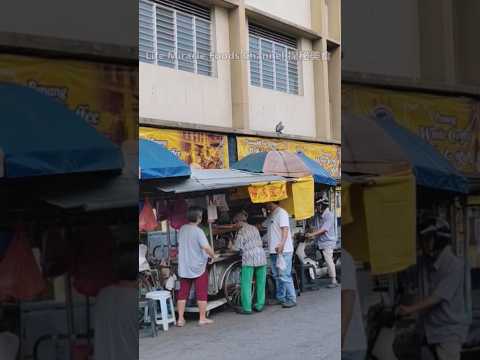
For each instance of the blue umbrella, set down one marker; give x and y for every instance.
(157, 162)
(320, 175)
(431, 168)
(41, 136)
(256, 163)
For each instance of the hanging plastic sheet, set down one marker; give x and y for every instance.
(301, 196)
(21, 278)
(147, 220)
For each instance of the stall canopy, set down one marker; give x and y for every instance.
(157, 162)
(395, 149)
(320, 175)
(284, 163)
(41, 136)
(112, 193)
(215, 179)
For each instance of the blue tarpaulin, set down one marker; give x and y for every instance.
(431, 168)
(157, 162)
(40, 136)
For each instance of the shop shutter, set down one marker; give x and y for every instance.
(274, 36)
(165, 37)
(176, 34)
(187, 7)
(281, 68)
(292, 72)
(273, 60)
(146, 35)
(254, 58)
(268, 80)
(203, 42)
(185, 42)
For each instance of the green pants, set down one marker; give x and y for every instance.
(246, 286)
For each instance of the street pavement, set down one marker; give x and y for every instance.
(310, 331)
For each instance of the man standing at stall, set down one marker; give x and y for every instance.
(280, 244)
(322, 229)
(445, 314)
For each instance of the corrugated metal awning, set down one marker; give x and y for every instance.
(215, 179)
(114, 193)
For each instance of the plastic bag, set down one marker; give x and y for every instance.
(178, 217)
(281, 263)
(20, 277)
(56, 255)
(147, 220)
(93, 267)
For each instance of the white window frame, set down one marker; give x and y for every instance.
(274, 43)
(175, 32)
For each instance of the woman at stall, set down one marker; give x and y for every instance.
(193, 253)
(254, 262)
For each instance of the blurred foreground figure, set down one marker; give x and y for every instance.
(445, 318)
(354, 343)
(116, 322)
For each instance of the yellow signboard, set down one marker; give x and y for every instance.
(265, 192)
(104, 95)
(327, 155)
(204, 150)
(450, 124)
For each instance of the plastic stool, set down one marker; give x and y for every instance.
(167, 311)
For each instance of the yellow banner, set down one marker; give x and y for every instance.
(450, 124)
(104, 95)
(328, 156)
(265, 192)
(390, 213)
(301, 196)
(204, 150)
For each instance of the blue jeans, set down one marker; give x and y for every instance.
(283, 279)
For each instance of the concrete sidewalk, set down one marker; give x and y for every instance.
(310, 331)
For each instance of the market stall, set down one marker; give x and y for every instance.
(218, 191)
(309, 263)
(52, 186)
(390, 185)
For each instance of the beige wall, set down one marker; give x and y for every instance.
(295, 11)
(297, 112)
(172, 95)
(73, 20)
(381, 37)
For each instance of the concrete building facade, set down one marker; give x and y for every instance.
(251, 82)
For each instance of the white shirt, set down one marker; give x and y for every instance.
(274, 223)
(192, 259)
(116, 324)
(355, 339)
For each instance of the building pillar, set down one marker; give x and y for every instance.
(239, 66)
(437, 46)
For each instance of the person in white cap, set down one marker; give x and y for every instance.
(322, 229)
(445, 315)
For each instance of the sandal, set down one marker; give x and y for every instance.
(205, 322)
(181, 323)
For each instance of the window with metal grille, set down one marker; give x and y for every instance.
(273, 60)
(175, 34)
